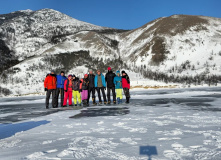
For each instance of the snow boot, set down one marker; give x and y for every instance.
(109, 102)
(75, 105)
(114, 102)
(94, 102)
(79, 104)
(120, 101)
(100, 103)
(105, 102)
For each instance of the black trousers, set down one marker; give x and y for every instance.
(49, 92)
(126, 92)
(91, 89)
(103, 93)
(113, 92)
(61, 92)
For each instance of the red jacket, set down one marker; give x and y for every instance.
(50, 82)
(68, 85)
(126, 82)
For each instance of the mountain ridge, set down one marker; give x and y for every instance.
(163, 49)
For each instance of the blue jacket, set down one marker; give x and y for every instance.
(60, 81)
(102, 78)
(118, 82)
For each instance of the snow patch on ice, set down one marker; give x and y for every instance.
(128, 141)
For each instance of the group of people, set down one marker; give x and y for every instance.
(81, 89)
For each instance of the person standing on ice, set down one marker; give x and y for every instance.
(76, 90)
(84, 89)
(126, 86)
(100, 85)
(60, 88)
(118, 86)
(109, 77)
(91, 88)
(68, 91)
(50, 87)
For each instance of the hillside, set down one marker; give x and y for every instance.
(180, 48)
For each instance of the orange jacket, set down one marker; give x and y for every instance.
(50, 82)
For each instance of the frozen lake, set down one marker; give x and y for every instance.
(174, 123)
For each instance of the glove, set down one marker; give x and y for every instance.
(65, 90)
(46, 89)
(80, 90)
(105, 88)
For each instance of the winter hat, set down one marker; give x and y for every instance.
(117, 72)
(73, 75)
(69, 75)
(85, 75)
(109, 68)
(123, 72)
(90, 70)
(62, 71)
(53, 71)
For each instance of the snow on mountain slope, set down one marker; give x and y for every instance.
(29, 33)
(169, 42)
(32, 43)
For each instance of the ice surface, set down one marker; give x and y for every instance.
(180, 123)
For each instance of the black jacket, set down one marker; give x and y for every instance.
(109, 77)
(76, 84)
(91, 80)
(84, 84)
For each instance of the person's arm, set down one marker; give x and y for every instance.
(95, 81)
(106, 77)
(81, 84)
(128, 79)
(115, 83)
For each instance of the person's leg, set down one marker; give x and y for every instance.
(89, 92)
(108, 94)
(93, 96)
(70, 97)
(57, 96)
(104, 95)
(82, 95)
(127, 94)
(79, 97)
(75, 97)
(117, 95)
(114, 94)
(120, 95)
(99, 94)
(62, 96)
(124, 89)
(48, 94)
(65, 98)
(54, 98)
(86, 94)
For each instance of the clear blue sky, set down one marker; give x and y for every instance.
(122, 14)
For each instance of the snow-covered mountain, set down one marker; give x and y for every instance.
(34, 42)
(169, 42)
